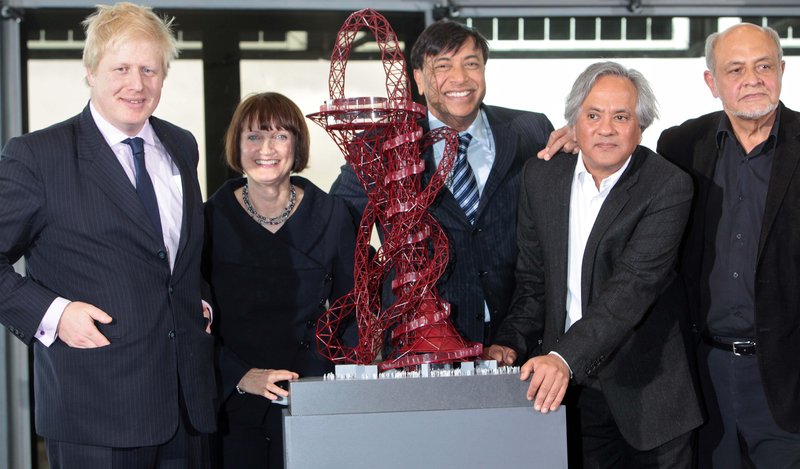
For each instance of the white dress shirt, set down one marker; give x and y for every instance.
(586, 199)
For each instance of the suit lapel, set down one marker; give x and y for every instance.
(176, 153)
(505, 150)
(610, 210)
(784, 165)
(445, 200)
(559, 193)
(104, 169)
(705, 160)
(705, 154)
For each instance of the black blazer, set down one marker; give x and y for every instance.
(270, 289)
(482, 257)
(68, 207)
(693, 147)
(632, 352)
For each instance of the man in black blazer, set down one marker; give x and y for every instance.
(123, 370)
(740, 263)
(449, 61)
(598, 237)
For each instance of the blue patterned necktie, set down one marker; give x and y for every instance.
(465, 186)
(144, 185)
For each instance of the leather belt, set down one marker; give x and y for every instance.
(737, 346)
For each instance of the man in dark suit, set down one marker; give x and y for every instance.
(106, 209)
(598, 237)
(740, 263)
(449, 62)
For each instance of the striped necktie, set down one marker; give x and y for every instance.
(465, 186)
(144, 185)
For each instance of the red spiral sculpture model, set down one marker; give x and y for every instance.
(382, 142)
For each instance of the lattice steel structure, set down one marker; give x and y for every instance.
(382, 142)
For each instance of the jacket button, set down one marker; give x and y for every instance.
(161, 254)
(309, 324)
(171, 289)
(171, 334)
(476, 231)
(482, 273)
(323, 302)
(328, 277)
(304, 345)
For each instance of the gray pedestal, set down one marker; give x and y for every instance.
(453, 422)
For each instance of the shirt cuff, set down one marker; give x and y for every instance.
(210, 311)
(565, 362)
(48, 328)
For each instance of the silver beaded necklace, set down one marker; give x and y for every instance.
(264, 221)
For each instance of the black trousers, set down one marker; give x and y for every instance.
(740, 431)
(187, 449)
(251, 447)
(594, 440)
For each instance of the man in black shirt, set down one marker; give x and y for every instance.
(741, 259)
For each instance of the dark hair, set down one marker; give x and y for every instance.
(445, 36)
(270, 111)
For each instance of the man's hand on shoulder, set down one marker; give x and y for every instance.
(549, 381)
(76, 327)
(562, 139)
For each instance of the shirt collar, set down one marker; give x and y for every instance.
(113, 135)
(725, 130)
(478, 129)
(581, 174)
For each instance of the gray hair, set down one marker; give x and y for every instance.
(711, 42)
(646, 103)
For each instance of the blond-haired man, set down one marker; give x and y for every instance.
(106, 209)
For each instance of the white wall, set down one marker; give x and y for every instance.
(532, 84)
(57, 91)
(543, 84)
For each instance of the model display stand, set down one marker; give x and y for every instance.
(424, 412)
(451, 418)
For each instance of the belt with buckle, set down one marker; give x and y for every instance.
(737, 346)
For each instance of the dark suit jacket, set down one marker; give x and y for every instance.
(693, 147)
(68, 207)
(270, 289)
(632, 352)
(482, 257)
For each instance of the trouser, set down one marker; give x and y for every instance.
(594, 440)
(187, 449)
(740, 431)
